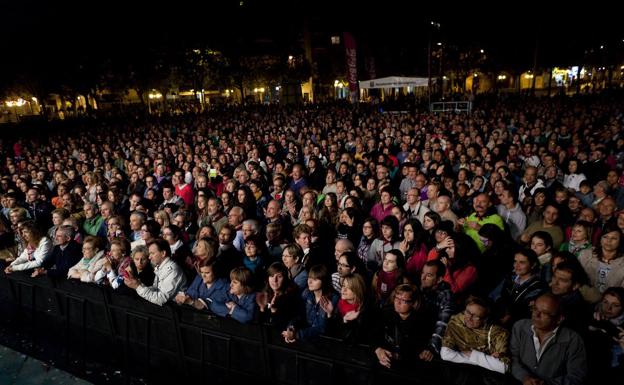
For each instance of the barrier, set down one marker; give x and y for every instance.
(451, 107)
(169, 343)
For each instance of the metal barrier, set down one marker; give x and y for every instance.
(451, 107)
(174, 342)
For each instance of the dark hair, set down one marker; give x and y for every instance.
(162, 245)
(354, 261)
(441, 268)
(321, 272)
(546, 237)
(574, 267)
(532, 257)
(480, 301)
(392, 222)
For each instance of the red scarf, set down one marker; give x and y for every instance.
(386, 282)
(344, 307)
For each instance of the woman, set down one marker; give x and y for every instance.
(205, 289)
(279, 301)
(116, 264)
(58, 216)
(391, 275)
(291, 257)
(517, 290)
(37, 248)
(497, 258)
(246, 200)
(456, 255)
(431, 220)
(305, 213)
(240, 302)
(535, 209)
(580, 240)
(329, 214)
(605, 267)
(606, 333)
(204, 251)
(91, 262)
(114, 228)
(201, 210)
(319, 301)
(388, 240)
(414, 247)
(291, 206)
(255, 258)
(141, 268)
(542, 244)
(370, 232)
(351, 311)
(572, 179)
(349, 225)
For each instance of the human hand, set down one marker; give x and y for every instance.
(38, 272)
(461, 221)
(180, 298)
(131, 282)
(597, 316)
(384, 357)
(261, 300)
(403, 246)
(350, 316)
(289, 334)
(620, 338)
(474, 225)
(326, 305)
(8, 270)
(426, 355)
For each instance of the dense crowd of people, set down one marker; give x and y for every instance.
(492, 238)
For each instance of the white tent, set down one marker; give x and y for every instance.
(395, 82)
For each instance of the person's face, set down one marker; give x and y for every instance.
(56, 219)
(443, 204)
(213, 207)
(588, 215)
(572, 167)
(428, 223)
(385, 198)
(304, 240)
(288, 260)
(236, 288)
(530, 175)
(397, 213)
(474, 316)
(207, 274)
(234, 218)
(579, 234)
(60, 238)
(428, 277)
(610, 307)
(481, 204)
(344, 268)
(620, 221)
(390, 263)
(140, 261)
(224, 235)
(612, 178)
(610, 242)
(539, 246)
(167, 193)
(32, 195)
(156, 256)
(250, 249)
(88, 250)
(387, 232)
(543, 315)
(201, 203)
(561, 282)
(116, 252)
(408, 233)
(346, 293)
(607, 208)
(200, 249)
(403, 303)
(272, 210)
(521, 265)
(276, 281)
(550, 215)
(314, 284)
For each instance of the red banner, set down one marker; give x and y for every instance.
(351, 65)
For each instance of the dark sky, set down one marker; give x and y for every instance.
(392, 29)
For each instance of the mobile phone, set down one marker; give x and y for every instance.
(212, 173)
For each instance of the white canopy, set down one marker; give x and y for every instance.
(395, 81)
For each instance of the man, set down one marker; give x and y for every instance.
(511, 212)
(403, 330)
(342, 247)
(65, 254)
(169, 197)
(543, 351)
(137, 220)
(168, 279)
(443, 206)
(216, 215)
(273, 214)
(433, 192)
(531, 183)
(298, 181)
(438, 296)
(565, 284)
(236, 216)
(182, 189)
(38, 209)
(413, 206)
(409, 181)
(472, 339)
(94, 223)
(547, 224)
(481, 215)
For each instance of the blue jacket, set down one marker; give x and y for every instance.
(217, 292)
(244, 311)
(316, 318)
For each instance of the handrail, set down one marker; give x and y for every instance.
(173, 342)
(461, 106)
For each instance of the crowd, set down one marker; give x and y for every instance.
(493, 239)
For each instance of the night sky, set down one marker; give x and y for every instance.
(62, 33)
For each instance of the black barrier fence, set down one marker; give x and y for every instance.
(90, 323)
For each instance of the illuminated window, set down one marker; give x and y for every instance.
(335, 40)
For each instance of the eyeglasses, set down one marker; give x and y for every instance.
(405, 301)
(471, 315)
(344, 265)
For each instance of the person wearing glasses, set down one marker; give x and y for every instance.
(402, 332)
(543, 350)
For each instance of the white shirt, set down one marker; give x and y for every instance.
(539, 348)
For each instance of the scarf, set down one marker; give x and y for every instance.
(386, 282)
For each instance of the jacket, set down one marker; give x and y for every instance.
(591, 264)
(245, 308)
(563, 361)
(168, 281)
(88, 267)
(61, 260)
(28, 261)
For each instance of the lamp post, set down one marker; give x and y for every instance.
(432, 25)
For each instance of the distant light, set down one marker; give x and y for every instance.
(602, 47)
(502, 77)
(34, 99)
(261, 89)
(277, 88)
(444, 77)
(475, 74)
(482, 51)
(439, 43)
(290, 57)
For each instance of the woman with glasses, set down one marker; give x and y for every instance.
(91, 262)
(472, 339)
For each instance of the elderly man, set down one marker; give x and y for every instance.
(481, 215)
(543, 351)
(93, 224)
(443, 206)
(215, 214)
(531, 183)
(169, 278)
(413, 207)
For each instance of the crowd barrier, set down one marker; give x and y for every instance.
(91, 323)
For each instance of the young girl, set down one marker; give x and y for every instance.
(279, 301)
(388, 240)
(389, 276)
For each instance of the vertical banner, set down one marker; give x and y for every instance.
(351, 66)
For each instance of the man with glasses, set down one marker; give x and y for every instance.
(472, 339)
(543, 350)
(403, 330)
